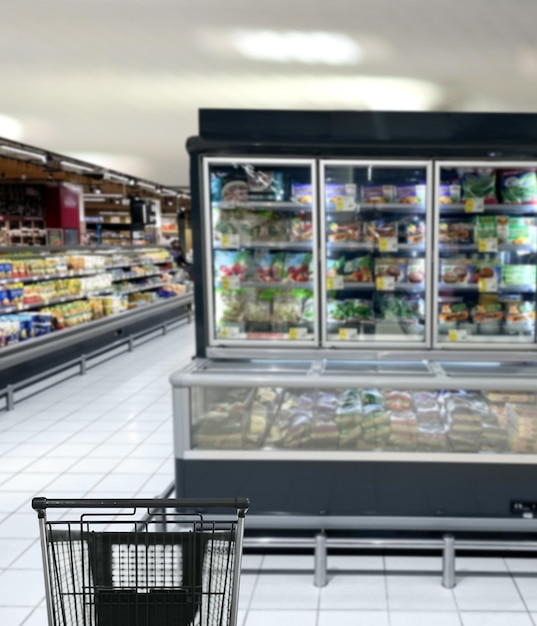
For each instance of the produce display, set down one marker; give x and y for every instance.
(371, 419)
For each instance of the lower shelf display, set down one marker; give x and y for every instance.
(384, 420)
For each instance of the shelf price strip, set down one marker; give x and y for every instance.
(346, 334)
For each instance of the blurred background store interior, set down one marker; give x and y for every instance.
(119, 82)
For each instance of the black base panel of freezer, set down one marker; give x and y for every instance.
(361, 488)
(56, 357)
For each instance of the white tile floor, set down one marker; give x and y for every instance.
(109, 434)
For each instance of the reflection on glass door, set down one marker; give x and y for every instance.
(376, 242)
(262, 252)
(486, 229)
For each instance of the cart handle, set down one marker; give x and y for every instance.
(241, 504)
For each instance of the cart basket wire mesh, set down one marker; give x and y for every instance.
(109, 566)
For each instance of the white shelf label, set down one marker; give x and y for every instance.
(345, 334)
(334, 282)
(474, 205)
(229, 241)
(388, 244)
(488, 284)
(345, 203)
(298, 333)
(230, 282)
(457, 335)
(385, 283)
(490, 244)
(228, 332)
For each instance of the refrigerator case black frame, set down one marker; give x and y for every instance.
(462, 489)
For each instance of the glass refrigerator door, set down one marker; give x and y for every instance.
(375, 241)
(486, 281)
(261, 252)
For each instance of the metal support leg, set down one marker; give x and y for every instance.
(448, 562)
(10, 399)
(83, 365)
(319, 575)
(131, 344)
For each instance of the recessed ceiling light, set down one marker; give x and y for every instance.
(296, 46)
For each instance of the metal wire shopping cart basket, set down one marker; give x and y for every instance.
(142, 562)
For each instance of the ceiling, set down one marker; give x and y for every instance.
(119, 82)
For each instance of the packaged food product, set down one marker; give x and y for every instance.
(416, 271)
(358, 310)
(302, 193)
(380, 228)
(518, 186)
(336, 311)
(378, 194)
(487, 313)
(520, 313)
(308, 310)
(391, 267)
(301, 230)
(335, 267)
(286, 308)
(229, 305)
(297, 267)
(359, 269)
(232, 263)
(486, 269)
(335, 191)
(397, 400)
(453, 312)
(256, 309)
(372, 396)
(480, 183)
(414, 230)
(450, 194)
(401, 308)
(519, 275)
(350, 231)
(485, 226)
(456, 271)
(517, 231)
(410, 194)
(455, 232)
(269, 267)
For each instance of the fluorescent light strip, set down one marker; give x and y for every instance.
(76, 166)
(146, 186)
(26, 153)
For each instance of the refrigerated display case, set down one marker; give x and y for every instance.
(261, 268)
(486, 226)
(415, 390)
(376, 239)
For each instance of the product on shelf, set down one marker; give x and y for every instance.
(517, 231)
(455, 232)
(356, 269)
(337, 193)
(520, 314)
(302, 193)
(518, 186)
(286, 307)
(414, 230)
(410, 194)
(392, 268)
(298, 267)
(229, 263)
(480, 183)
(270, 267)
(378, 194)
(519, 275)
(486, 270)
(456, 271)
(358, 310)
(450, 194)
(301, 230)
(416, 271)
(453, 312)
(248, 184)
(350, 231)
(375, 230)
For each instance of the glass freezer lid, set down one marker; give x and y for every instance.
(489, 369)
(377, 367)
(253, 366)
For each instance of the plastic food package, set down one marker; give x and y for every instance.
(452, 313)
(392, 268)
(380, 228)
(359, 269)
(519, 275)
(336, 311)
(232, 263)
(298, 267)
(358, 311)
(450, 194)
(286, 308)
(518, 186)
(517, 231)
(352, 231)
(378, 194)
(416, 271)
(269, 267)
(410, 194)
(480, 183)
(415, 231)
(301, 230)
(456, 271)
(302, 193)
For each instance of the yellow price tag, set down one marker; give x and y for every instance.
(482, 284)
(293, 333)
(224, 332)
(380, 283)
(330, 282)
(474, 205)
(453, 335)
(230, 282)
(225, 241)
(343, 334)
(385, 283)
(482, 245)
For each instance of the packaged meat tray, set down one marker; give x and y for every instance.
(391, 268)
(456, 271)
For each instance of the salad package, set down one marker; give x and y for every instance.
(269, 267)
(286, 308)
(401, 308)
(359, 269)
(480, 183)
(358, 311)
(336, 310)
(518, 186)
(297, 267)
(232, 263)
(229, 305)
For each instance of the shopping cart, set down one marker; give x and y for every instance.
(113, 565)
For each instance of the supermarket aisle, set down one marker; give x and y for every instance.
(109, 434)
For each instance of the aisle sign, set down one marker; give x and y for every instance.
(227, 332)
(457, 335)
(229, 241)
(385, 283)
(298, 333)
(489, 285)
(334, 282)
(347, 333)
(474, 205)
(489, 244)
(230, 282)
(388, 244)
(345, 203)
